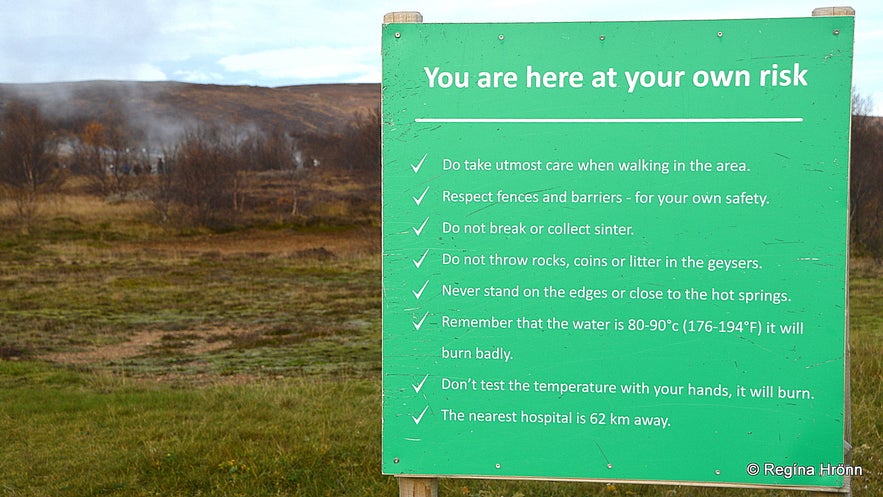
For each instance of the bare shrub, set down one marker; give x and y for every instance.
(28, 158)
(866, 180)
(107, 152)
(356, 149)
(202, 176)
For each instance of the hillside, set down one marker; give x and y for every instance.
(161, 108)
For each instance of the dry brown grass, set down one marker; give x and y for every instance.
(74, 203)
(347, 244)
(338, 217)
(91, 209)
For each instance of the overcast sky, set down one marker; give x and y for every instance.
(291, 42)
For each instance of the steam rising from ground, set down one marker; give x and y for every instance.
(134, 106)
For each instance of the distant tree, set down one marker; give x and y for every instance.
(274, 150)
(108, 156)
(866, 178)
(364, 137)
(28, 157)
(277, 150)
(92, 157)
(161, 189)
(355, 149)
(203, 169)
(319, 150)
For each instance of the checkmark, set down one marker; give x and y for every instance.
(418, 324)
(418, 200)
(419, 230)
(418, 418)
(419, 262)
(418, 294)
(419, 164)
(419, 386)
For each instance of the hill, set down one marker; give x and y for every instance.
(161, 109)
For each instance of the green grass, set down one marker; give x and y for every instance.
(866, 350)
(280, 313)
(80, 434)
(70, 433)
(261, 376)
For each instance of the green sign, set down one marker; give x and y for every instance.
(616, 251)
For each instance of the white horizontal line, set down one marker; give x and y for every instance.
(633, 120)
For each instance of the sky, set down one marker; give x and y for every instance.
(294, 42)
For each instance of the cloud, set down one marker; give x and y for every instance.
(320, 63)
(206, 26)
(230, 41)
(75, 40)
(145, 72)
(40, 73)
(197, 76)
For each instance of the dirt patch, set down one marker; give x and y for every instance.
(144, 342)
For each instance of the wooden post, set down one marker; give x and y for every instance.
(402, 17)
(847, 435)
(418, 487)
(412, 487)
(833, 11)
(408, 486)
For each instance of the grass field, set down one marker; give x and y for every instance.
(143, 361)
